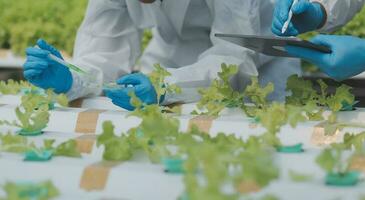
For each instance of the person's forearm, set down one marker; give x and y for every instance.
(86, 85)
(107, 43)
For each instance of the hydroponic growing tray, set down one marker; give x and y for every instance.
(91, 178)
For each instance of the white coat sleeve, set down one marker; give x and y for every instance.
(107, 46)
(228, 17)
(339, 12)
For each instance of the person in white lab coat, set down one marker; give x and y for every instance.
(347, 58)
(108, 44)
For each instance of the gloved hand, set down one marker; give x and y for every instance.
(346, 60)
(142, 87)
(45, 73)
(307, 16)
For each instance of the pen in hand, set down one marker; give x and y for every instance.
(290, 16)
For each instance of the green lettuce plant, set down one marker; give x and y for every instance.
(33, 113)
(23, 22)
(336, 162)
(25, 191)
(18, 144)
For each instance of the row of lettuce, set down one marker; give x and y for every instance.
(208, 164)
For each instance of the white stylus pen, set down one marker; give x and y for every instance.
(286, 24)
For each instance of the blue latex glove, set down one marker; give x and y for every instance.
(142, 87)
(45, 73)
(307, 16)
(346, 60)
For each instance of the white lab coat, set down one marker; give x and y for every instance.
(339, 12)
(108, 42)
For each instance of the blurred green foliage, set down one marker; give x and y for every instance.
(22, 22)
(356, 27)
(147, 37)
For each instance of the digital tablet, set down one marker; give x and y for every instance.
(271, 46)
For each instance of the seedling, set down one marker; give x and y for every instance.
(354, 142)
(116, 148)
(25, 88)
(15, 144)
(12, 87)
(18, 144)
(33, 113)
(67, 148)
(276, 116)
(157, 78)
(33, 155)
(258, 96)
(220, 94)
(147, 37)
(303, 93)
(27, 190)
(337, 168)
(53, 98)
(225, 160)
(45, 153)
